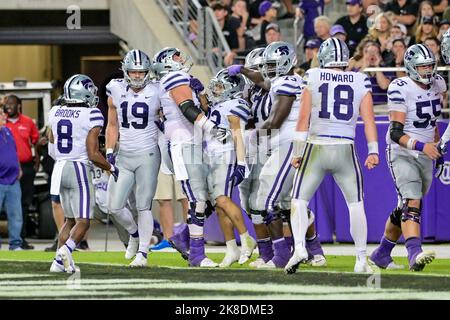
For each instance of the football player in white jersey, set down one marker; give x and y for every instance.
(75, 128)
(332, 100)
(133, 105)
(225, 162)
(415, 103)
(442, 146)
(257, 154)
(277, 77)
(184, 125)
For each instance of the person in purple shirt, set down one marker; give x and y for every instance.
(10, 194)
(309, 10)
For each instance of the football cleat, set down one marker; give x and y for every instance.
(318, 261)
(67, 260)
(139, 261)
(247, 247)
(257, 263)
(422, 259)
(268, 265)
(390, 266)
(208, 263)
(231, 256)
(300, 255)
(132, 248)
(362, 267)
(57, 266)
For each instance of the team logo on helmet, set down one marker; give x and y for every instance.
(87, 83)
(283, 50)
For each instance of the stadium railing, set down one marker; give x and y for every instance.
(199, 29)
(443, 71)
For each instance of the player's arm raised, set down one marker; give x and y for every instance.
(182, 95)
(397, 119)
(255, 76)
(112, 131)
(370, 130)
(301, 130)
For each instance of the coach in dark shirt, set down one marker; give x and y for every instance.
(355, 24)
(10, 194)
(405, 11)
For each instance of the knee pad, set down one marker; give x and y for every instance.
(257, 216)
(286, 216)
(410, 213)
(196, 213)
(396, 217)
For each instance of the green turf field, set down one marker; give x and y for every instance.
(106, 275)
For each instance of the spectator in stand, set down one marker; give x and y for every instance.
(404, 12)
(268, 12)
(371, 58)
(355, 24)
(396, 59)
(381, 31)
(439, 7)
(398, 31)
(444, 25)
(435, 46)
(425, 29)
(239, 11)
(322, 26)
(338, 31)
(273, 33)
(26, 135)
(309, 10)
(311, 49)
(229, 25)
(10, 193)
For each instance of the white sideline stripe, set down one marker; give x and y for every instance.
(80, 281)
(21, 275)
(300, 270)
(58, 294)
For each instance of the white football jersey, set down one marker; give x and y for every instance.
(291, 86)
(136, 113)
(177, 128)
(70, 128)
(261, 105)
(336, 99)
(218, 114)
(422, 107)
(100, 181)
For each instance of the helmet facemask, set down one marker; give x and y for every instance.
(137, 83)
(426, 76)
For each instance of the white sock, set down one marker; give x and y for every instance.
(299, 221)
(145, 228)
(244, 236)
(71, 244)
(358, 228)
(195, 231)
(231, 245)
(126, 220)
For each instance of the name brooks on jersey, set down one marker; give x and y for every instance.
(70, 127)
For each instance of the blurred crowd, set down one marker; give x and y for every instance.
(377, 32)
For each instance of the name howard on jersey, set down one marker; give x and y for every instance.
(326, 76)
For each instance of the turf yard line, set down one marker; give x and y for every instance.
(20, 275)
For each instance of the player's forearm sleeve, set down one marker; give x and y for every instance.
(189, 110)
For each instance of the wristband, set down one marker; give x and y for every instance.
(372, 147)
(109, 150)
(112, 169)
(241, 163)
(301, 135)
(419, 146)
(409, 144)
